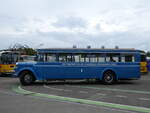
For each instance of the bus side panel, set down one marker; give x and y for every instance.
(49, 71)
(65, 71)
(83, 72)
(128, 71)
(78, 71)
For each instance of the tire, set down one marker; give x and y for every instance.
(109, 77)
(26, 78)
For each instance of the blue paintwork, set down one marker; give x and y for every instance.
(81, 70)
(84, 50)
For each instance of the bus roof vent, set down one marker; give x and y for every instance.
(74, 46)
(103, 47)
(88, 46)
(116, 47)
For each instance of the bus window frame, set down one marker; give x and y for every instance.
(125, 54)
(9, 57)
(86, 57)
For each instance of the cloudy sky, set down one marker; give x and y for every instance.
(63, 23)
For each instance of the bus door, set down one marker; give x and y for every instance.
(48, 67)
(128, 66)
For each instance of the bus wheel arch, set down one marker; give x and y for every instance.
(109, 77)
(26, 77)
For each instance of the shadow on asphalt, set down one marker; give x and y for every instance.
(6, 75)
(122, 82)
(76, 82)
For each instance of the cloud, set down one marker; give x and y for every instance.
(68, 22)
(33, 31)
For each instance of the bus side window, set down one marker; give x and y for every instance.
(113, 57)
(69, 58)
(87, 58)
(65, 58)
(101, 58)
(50, 58)
(40, 58)
(62, 58)
(93, 58)
(75, 58)
(82, 58)
(127, 58)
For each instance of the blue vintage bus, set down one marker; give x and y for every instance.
(107, 65)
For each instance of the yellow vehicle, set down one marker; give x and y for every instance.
(8, 61)
(143, 63)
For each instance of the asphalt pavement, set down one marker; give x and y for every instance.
(78, 96)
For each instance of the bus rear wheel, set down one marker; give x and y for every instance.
(26, 78)
(109, 77)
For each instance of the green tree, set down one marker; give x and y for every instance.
(148, 54)
(29, 51)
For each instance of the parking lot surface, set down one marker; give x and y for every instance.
(78, 96)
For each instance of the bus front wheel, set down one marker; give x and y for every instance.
(109, 77)
(26, 78)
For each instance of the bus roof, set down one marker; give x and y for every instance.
(7, 52)
(86, 50)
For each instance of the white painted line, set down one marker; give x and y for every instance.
(83, 92)
(68, 90)
(101, 94)
(58, 89)
(113, 89)
(113, 109)
(53, 88)
(97, 95)
(121, 96)
(144, 99)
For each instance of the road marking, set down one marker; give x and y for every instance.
(121, 96)
(111, 89)
(53, 88)
(58, 89)
(90, 105)
(67, 90)
(144, 99)
(101, 94)
(97, 95)
(18, 89)
(85, 92)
